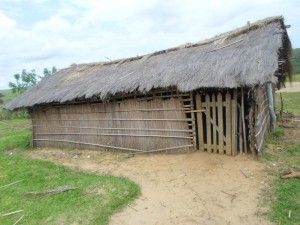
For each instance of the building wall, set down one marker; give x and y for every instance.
(260, 118)
(152, 123)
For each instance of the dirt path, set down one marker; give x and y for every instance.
(291, 87)
(194, 188)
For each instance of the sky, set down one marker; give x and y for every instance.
(37, 34)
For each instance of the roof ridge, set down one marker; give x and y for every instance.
(230, 34)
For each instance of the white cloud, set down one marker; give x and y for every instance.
(6, 22)
(74, 31)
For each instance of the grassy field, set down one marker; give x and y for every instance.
(284, 195)
(93, 201)
(296, 77)
(291, 102)
(283, 152)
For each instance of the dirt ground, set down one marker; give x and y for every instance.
(291, 87)
(193, 188)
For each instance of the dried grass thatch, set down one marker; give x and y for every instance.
(244, 57)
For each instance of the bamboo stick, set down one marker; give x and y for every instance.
(122, 119)
(19, 220)
(91, 144)
(115, 147)
(164, 149)
(117, 128)
(132, 110)
(225, 46)
(11, 213)
(7, 185)
(131, 135)
(234, 123)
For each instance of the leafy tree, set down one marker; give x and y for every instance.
(48, 72)
(28, 79)
(23, 81)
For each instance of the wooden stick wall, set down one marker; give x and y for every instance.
(165, 122)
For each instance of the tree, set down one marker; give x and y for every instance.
(28, 79)
(48, 72)
(23, 81)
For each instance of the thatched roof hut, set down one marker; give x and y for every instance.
(247, 57)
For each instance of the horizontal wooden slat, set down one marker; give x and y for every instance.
(113, 147)
(119, 128)
(119, 119)
(91, 144)
(130, 135)
(118, 111)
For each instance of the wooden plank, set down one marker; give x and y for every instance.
(234, 124)
(220, 123)
(199, 122)
(208, 125)
(228, 124)
(214, 122)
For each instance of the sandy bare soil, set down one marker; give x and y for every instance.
(193, 188)
(291, 87)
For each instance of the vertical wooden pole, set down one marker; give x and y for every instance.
(243, 122)
(234, 123)
(193, 120)
(240, 130)
(199, 122)
(228, 124)
(208, 125)
(214, 123)
(220, 123)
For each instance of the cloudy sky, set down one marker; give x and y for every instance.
(35, 34)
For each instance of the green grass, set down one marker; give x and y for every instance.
(296, 77)
(291, 102)
(15, 134)
(285, 194)
(72, 207)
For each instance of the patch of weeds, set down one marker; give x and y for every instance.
(288, 198)
(294, 150)
(283, 195)
(269, 156)
(276, 136)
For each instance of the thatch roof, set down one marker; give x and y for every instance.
(243, 57)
